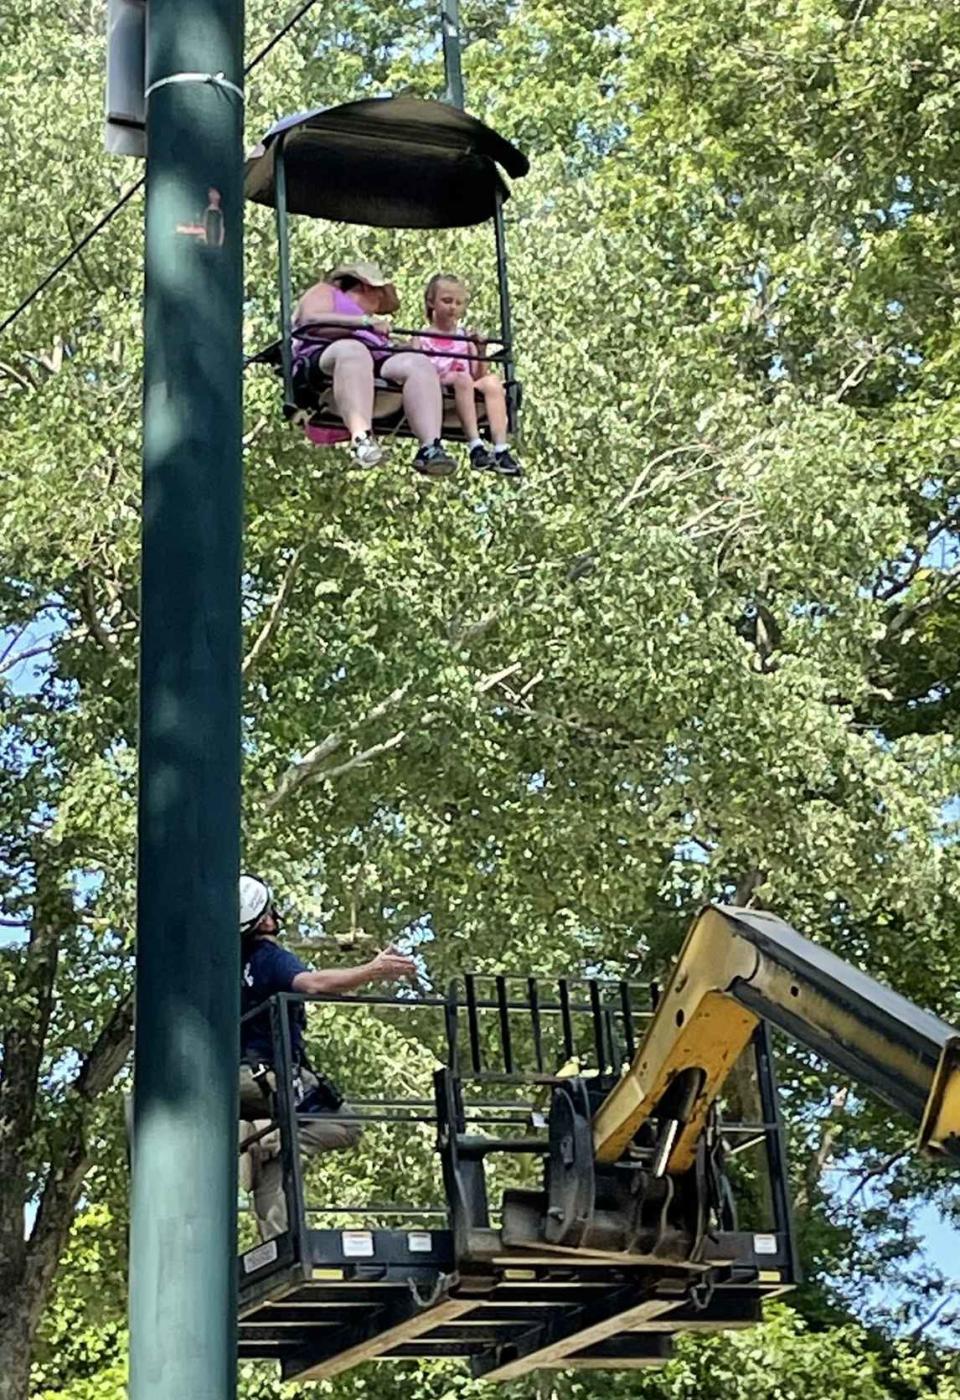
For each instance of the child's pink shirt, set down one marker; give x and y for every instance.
(449, 359)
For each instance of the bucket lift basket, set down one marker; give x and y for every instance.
(448, 1282)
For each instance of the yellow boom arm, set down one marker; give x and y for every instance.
(738, 965)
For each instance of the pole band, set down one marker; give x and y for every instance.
(217, 79)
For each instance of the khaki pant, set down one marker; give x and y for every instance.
(261, 1172)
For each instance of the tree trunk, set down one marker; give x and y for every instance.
(18, 1325)
(24, 1039)
(47, 1174)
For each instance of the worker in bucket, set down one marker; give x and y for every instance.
(267, 968)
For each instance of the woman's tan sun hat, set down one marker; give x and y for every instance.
(372, 274)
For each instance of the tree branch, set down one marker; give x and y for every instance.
(362, 760)
(254, 432)
(16, 376)
(930, 1319)
(63, 1185)
(88, 611)
(722, 527)
(531, 685)
(831, 1128)
(473, 631)
(948, 579)
(710, 509)
(14, 639)
(311, 766)
(24, 1040)
(643, 476)
(12, 661)
(747, 886)
(269, 629)
(880, 1170)
(855, 376)
(108, 1054)
(885, 593)
(495, 677)
(30, 1015)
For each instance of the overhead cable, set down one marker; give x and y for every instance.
(125, 198)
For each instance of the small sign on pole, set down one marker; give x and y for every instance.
(125, 129)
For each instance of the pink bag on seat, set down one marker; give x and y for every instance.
(325, 437)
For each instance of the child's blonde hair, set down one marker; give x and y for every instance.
(430, 291)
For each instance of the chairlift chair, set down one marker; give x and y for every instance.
(383, 162)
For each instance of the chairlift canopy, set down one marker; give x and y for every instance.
(387, 162)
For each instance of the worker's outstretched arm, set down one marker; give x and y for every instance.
(388, 966)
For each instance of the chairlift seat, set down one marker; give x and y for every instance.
(385, 162)
(313, 395)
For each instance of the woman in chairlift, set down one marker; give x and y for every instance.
(344, 328)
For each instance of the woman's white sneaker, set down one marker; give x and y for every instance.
(366, 451)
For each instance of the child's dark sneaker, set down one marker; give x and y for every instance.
(434, 460)
(482, 459)
(504, 464)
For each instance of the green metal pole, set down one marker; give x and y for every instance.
(183, 1213)
(452, 65)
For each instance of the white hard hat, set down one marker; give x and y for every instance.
(256, 898)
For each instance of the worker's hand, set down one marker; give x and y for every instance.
(380, 324)
(480, 337)
(392, 966)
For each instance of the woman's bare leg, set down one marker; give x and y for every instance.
(491, 387)
(351, 365)
(422, 400)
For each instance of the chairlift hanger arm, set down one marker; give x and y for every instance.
(738, 966)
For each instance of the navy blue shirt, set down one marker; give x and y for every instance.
(268, 968)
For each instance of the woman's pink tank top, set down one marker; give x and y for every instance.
(344, 305)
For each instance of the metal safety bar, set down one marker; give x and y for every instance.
(320, 324)
(416, 1003)
(376, 1208)
(359, 1116)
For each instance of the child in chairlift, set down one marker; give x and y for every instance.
(458, 364)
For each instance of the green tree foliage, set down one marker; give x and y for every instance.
(704, 649)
